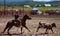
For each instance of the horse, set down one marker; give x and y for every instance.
(17, 23)
(47, 27)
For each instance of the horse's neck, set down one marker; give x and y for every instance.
(23, 20)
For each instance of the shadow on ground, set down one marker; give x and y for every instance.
(3, 34)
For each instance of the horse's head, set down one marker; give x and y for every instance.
(26, 17)
(53, 25)
(41, 24)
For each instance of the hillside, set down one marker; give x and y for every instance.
(55, 3)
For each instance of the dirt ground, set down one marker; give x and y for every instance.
(32, 25)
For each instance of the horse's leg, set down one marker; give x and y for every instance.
(46, 31)
(7, 26)
(52, 30)
(37, 29)
(26, 28)
(21, 29)
(5, 29)
(9, 29)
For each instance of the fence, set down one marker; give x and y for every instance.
(11, 12)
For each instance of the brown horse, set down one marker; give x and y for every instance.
(47, 27)
(18, 23)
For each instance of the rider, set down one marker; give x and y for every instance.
(16, 15)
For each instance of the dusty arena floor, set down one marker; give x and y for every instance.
(32, 25)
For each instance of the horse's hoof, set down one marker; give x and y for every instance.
(21, 32)
(46, 33)
(53, 32)
(8, 33)
(29, 31)
(2, 32)
(36, 31)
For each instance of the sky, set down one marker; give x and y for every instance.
(25, 0)
(41, 0)
(46, 0)
(11, 0)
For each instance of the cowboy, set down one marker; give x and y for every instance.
(16, 15)
(15, 21)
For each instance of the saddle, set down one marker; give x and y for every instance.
(16, 22)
